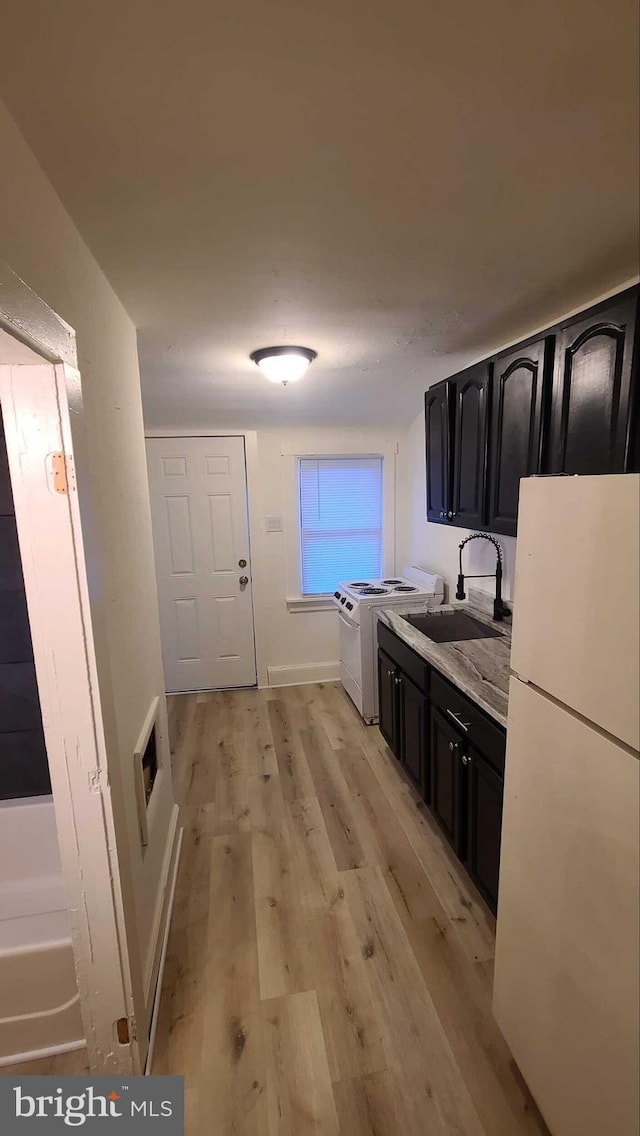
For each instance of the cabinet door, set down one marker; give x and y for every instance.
(437, 431)
(413, 719)
(485, 792)
(518, 387)
(447, 789)
(471, 393)
(592, 381)
(387, 702)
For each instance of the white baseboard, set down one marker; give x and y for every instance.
(161, 914)
(163, 953)
(303, 673)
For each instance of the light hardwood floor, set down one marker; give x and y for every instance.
(329, 964)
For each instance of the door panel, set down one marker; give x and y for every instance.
(414, 744)
(387, 701)
(199, 508)
(485, 826)
(516, 429)
(470, 446)
(590, 426)
(446, 782)
(437, 428)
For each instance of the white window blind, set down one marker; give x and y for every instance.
(340, 521)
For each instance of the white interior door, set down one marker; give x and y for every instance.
(201, 535)
(34, 404)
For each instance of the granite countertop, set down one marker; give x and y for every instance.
(478, 667)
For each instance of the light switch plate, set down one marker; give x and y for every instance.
(274, 524)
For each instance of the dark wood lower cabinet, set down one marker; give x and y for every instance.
(414, 707)
(452, 751)
(387, 701)
(447, 787)
(403, 711)
(484, 794)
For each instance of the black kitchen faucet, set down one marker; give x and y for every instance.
(499, 609)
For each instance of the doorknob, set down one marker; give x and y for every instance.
(244, 580)
(242, 564)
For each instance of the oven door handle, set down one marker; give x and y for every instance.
(349, 622)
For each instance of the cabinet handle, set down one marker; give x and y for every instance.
(466, 760)
(397, 681)
(452, 746)
(458, 721)
(450, 514)
(442, 513)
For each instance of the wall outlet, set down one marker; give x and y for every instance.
(274, 524)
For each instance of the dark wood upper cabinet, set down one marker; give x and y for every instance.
(470, 400)
(595, 371)
(566, 402)
(520, 383)
(438, 441)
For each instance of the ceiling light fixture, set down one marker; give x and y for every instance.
(283, 364)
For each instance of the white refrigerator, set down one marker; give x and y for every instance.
(566, 988)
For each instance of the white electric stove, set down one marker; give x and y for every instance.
(357, 601)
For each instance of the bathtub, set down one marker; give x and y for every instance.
(39, 1002)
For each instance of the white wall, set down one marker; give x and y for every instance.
(42, 246)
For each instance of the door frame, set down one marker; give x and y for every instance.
(256, 541)
(37, 398)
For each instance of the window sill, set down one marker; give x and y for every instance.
(309, 603)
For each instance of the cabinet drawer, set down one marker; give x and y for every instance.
(486, 735)
(412, 665)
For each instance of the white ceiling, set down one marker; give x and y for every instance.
(399, 186)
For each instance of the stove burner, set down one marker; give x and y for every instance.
(392, 581)
(360, 584)
(370, 591)
(405, 588)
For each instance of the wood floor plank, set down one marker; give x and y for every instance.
(410, 887)
(335, 799)
(233, 1094)
(299, 1090)
(294, 772)
(368, 1105)
(337, 972)
(313, 861)
(252, 728)
(280, 921)
(435, 1096)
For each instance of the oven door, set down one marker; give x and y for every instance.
(350, 648)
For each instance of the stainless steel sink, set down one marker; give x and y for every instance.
(451, 627)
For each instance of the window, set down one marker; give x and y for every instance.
(340, 521)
